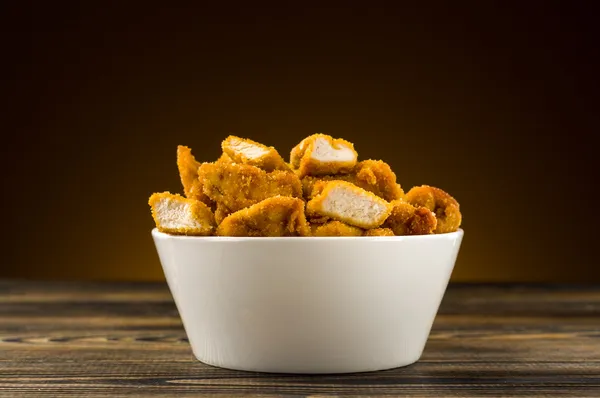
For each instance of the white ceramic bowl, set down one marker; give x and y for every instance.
(308, 305)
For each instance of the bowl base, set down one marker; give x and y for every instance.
(306, 371)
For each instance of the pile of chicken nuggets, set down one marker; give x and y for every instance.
(323, 191)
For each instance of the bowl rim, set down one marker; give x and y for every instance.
(156, 234)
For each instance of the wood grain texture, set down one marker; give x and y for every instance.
(107, 340)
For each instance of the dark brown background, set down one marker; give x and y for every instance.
(491, 102)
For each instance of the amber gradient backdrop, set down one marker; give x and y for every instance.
(491, 102)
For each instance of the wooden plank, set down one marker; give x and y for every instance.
(99, 340)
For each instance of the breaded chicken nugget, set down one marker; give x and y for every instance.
(405, 219)
(188, 172)
(445, 207)
(377, 176)
(275, 216)
(343, 201)
(371, 175)
(335, 228)
(234, 186)
(245, 151)
(320, 154)
(379, 232)
(177, 215)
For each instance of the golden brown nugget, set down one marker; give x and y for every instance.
(377, 176)
(177, 215)
(344, 201)
(188, 172)
(405, 219)
(379, 232)
(335, 228)
(445, 207)
(320, 154)
(234, 186)
(275, 216)
(245, 151)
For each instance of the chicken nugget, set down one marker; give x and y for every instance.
(335, 228)
(234, 186)
(379, 232)
(320, 154)
(274, 216)
(245, 151)
(188, 173)
(377, 176)
(406, 219)
(177, 215)
(445, 207)
(343, 201)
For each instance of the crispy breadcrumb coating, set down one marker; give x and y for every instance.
(188, 173)
(224, 158)
(344, 201)
(245, 151)
(335, 228)
(379, 232)
(320, 154)
(405, 219)
(220, 213)
(317, 219)
(275, 216)
(234, 186)
(177, 215)
(377, 176)
(309, 183)
(445, 207)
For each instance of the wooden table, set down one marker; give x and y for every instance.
(107, 340)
